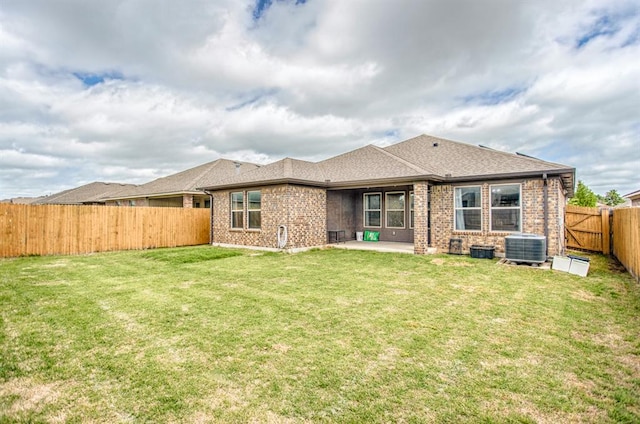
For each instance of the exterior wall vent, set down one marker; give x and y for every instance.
(530, 248)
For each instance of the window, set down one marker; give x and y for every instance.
(373, 210)
(132, 202)
(207, 203)
(237, 210)
(468, 208)
(411, 214)
(505, 207)
(254, 209)
(395, 204)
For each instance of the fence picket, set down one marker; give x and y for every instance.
(626, 239)
(65, 229)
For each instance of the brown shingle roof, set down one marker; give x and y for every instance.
(88, 193)
(286, 169)
(369, 163)
(189, 180)
(455, 159)
(422, 157)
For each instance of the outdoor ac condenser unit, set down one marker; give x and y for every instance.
(529, 248)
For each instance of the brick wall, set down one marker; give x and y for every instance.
(301, 209)
(532, 200)
(420, 230)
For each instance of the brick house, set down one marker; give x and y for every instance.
(179, 190)
(424, 190)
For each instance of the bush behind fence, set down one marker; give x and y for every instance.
(67, 230)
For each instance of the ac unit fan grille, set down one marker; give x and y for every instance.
(529, 248)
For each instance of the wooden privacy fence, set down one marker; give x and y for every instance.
(65, 230)
(626, 239)
(587, 229)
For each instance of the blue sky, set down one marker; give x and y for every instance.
(132, 90)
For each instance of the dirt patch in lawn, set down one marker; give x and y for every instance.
(29, 395)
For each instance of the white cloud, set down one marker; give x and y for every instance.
(186, 82)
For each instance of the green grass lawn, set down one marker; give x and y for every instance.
(215, 335)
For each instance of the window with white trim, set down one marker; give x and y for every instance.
(506, 210)
(394, 207)
(373, 210)
(468, 208)
(254, 210)
(411, 212)
(237, 210)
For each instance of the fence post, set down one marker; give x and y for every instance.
(606, 231)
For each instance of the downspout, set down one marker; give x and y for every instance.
(545, 201)
(210, 216)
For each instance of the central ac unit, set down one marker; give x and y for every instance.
(529, 248)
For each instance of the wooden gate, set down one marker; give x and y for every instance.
(587, 228)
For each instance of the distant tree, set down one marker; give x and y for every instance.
(584, 196)
(611, 198)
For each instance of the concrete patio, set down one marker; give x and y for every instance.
(378, 246)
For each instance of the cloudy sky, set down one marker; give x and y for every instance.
(132, 90)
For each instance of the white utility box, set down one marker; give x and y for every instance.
(561, 263)
(579, 267)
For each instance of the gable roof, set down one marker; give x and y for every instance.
(286, 169)
(370, 163)
(420, 158)
(88, 193)
(186, 182)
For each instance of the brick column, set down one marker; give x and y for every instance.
(420, 224)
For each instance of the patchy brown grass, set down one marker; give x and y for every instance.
(208, 335)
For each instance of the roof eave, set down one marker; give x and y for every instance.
(567, 176)
(332, 185)
(381, 182)
(152, 195)
(276, 181)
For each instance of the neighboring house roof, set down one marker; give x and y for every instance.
(634, 195)
(187, 181)
(22, 200)
(88, 193)
(422, 157)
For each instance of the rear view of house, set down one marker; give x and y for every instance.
(424, 190)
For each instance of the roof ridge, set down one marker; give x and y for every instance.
(287, 167)
(194, 181)
(403, 161)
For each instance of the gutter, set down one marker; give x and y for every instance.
(545, 201)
